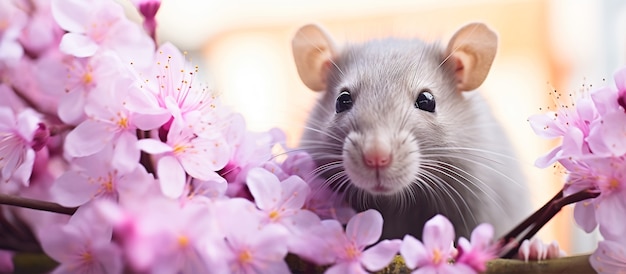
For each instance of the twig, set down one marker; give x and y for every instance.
(35, 204)
(538, 219)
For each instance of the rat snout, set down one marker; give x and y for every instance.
(377, 154)
(377, 157)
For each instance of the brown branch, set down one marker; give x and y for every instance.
(35, 204)
(541, 217)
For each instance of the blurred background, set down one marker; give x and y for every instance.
(243, 49)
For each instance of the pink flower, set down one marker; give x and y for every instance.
(79, 81)
(250, 246)
(434, 255)
(96, 177)
(185, 152)
(109, 122)
(609, 257)
(350, 248)
(100, 25)
(608, 176)
(171, 90)
(158, 235)
(12, 21)
(18, 142)
(607, 132)
(281, 201)
(149, 9)
(476, 253)
(42, 33)
(570, 123)
(83, 245)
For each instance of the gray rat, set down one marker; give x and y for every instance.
(398, 130)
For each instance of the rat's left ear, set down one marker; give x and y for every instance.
(472, 49)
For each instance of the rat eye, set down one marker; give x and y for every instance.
(425, 101)
(344, 101)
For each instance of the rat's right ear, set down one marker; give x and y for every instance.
(312, 50)
(472, 49)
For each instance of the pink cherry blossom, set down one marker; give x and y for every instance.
(481, 249)
(98, 26)
(609, 257)
(149, 9)
(351, 247)
(281, 201)
(250, 246)
(185, 152)
(570, 123)
(97, 176)
(607, 132)
(171, 90)
(159, 235)
(42, 33)
(83, 245)
(608, 176)
(78, 81)
(12, 21)
(434, 255)
(17, 143)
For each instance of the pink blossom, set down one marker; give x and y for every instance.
(17, 143)
(609, 257)
(607, 132)
(351, 248)
(98, 26)
(79, 81)
(149, 9)
(250, 246)
(570, 123)
(159, 235)
(608, 176)
(96, 177)
(83, 245)
(481, 249)
(12, 21)
(109, 122)
(434, 255)
(281, 201)
(185, 152)
(42, 33)
(171, 90)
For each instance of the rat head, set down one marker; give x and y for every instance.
(388, 105)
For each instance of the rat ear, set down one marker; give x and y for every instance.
(472, 49)
(312, 50)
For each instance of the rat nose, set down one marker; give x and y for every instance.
(377, 157)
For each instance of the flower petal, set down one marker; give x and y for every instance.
(87, 138)
(153, 146)
(413, 251)
(78, 45)
(71, 15)
(265, 188)
(365, 228)
(379, 256)
(171, 177)
(438, 233)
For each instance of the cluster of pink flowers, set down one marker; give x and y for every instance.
(593, 151)
(164, 177)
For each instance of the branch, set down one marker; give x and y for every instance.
(35, 204)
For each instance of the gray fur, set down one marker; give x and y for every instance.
(471, 185)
